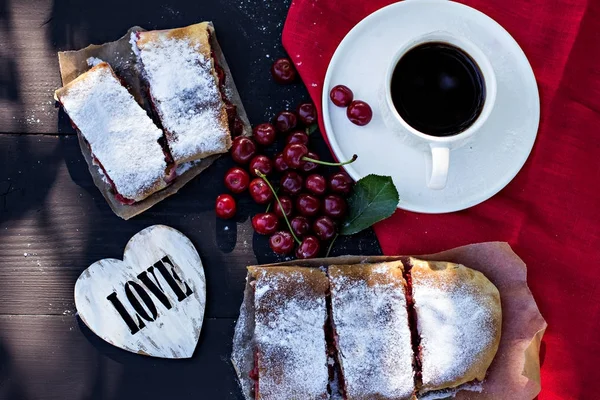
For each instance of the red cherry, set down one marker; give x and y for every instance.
(288, 206)
(341, 96)
(285, 121)
(300, 225)
(297, 137)
(340, 182)
(225, 206)
(242, 149)
(291, 182)
(281, 242)
(334, 206)
(359, 113)
(308, 205)
(283, 71)
(279, 163)
(293, 153)
(261, 163)
(265, 223)
(237, 180)
(316, 184)
(260, 192)
(307, 113)
(324, 228)
(309, 248)
(309, 166)
(264, 134)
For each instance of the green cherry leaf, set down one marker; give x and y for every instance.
(374, 199)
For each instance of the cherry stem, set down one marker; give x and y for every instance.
(350, 161)
(269, 207)
(331, 244)
(264, 178)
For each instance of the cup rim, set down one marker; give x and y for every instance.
(474, 52)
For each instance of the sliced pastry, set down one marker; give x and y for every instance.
(184, 89)
(459, 319)
(371, 331)
(122, 138)
(290, 315)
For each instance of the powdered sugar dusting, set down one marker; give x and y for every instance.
(186, 96)
(289, 333)
(93, 61)
(454, 324)
(121, 135)
(371, 321)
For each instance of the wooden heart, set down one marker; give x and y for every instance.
(150, 303)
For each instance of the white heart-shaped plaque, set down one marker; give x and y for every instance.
(150, 303)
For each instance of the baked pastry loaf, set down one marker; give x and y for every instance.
(291, 350)
(459, 320)
(371, 330)
(184, 89)
(123, 140)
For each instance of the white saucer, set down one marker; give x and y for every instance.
(478, 170)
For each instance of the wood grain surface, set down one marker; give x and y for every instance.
(54, 222)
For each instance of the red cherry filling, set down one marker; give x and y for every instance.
(237, 180)
(285, 121)
(261, 163)
(359, 113)
(124, 200)
(309, 248)
(283, 71)
(242, 150)
(264, 134)
(307, 113)
(341, 96)
(281, 242)
(265, 223)
(225, 206)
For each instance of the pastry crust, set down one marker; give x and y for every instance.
(181, 60)
(372, 332)
(459, 321)
(122, 138)
(290, 315)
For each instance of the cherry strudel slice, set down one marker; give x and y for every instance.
(459, 320)
(371, 331)
(290, 315)
(184, 90)
(123, 140)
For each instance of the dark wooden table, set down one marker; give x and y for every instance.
(54, 221)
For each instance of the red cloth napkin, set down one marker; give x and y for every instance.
(550, 213)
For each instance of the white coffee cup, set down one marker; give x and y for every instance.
(438, 146)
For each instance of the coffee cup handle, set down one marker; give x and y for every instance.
(440, 161)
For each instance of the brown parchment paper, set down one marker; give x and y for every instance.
(125, 64)
(515, 372)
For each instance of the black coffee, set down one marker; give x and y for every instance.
(438, 89)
